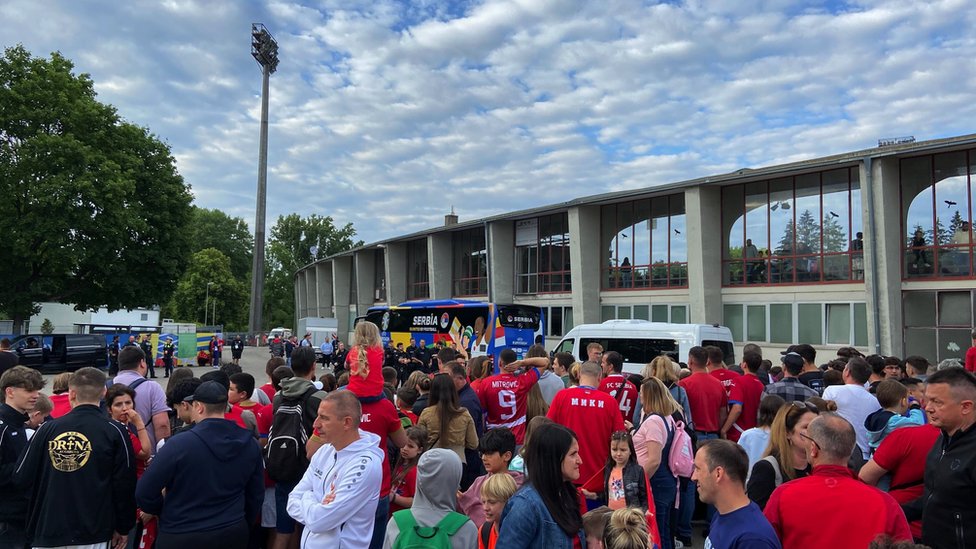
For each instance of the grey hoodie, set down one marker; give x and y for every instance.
(438, 479)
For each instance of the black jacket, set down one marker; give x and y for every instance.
(13, 441)
(635, 485)
(946, 507)
(83, 477)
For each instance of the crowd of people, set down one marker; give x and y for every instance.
(408, 447)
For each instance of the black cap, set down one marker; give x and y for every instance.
(209, 392)
(793, 359)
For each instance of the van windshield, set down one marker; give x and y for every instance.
(634, 350)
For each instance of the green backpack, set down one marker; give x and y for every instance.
(413, 536)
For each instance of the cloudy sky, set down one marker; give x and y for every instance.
(386, 113)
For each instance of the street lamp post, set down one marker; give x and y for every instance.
(264, 49)
(206, 304)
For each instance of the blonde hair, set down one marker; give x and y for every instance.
(60, 383)
(498, 488)
(662, 368)
(536, 404)
(626, 529)
(574, 373)
(414, 379)
(779, 435)
(656, 399)
(366, 335)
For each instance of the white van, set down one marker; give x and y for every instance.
(639, 341)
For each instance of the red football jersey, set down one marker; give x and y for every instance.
(727, 377)
(592, 415)
(504, 397)
(747, 391)
(628, 401)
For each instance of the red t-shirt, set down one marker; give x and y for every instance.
(903, 453)
(380, 418)
(591, 414)
(504, 398)
(746, 391)
(372, 384)
(61, 405)
(268, 390)
(727, 377)
(628, 401)
(706, 396)
(136, 448)
(235, 415)
(971, 360)
(264, 414)
(407, 488)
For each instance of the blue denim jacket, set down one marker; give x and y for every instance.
(527, 524)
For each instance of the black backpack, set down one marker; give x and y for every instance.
(284, 455)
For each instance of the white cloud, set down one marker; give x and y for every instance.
(386, 113)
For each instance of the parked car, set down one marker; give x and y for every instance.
(58, 352)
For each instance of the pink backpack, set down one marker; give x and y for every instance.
(681, 459)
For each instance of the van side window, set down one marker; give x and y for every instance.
(634, 350)
(566, 346)
(726, 347)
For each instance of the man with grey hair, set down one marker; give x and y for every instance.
(592, 414)
(858, 513)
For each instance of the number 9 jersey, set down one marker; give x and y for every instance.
(504, 397)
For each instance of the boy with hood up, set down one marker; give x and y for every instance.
(438, 478)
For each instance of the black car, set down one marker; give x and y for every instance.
(58, 352)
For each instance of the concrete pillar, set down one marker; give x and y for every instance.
(885, 320)
(396, 272)
(440, 264)
(584, 260)
(365, 280)
(703, 207)
(342, 281)
(301, 293)
(311, 294)
(323, 288)
(501, 261)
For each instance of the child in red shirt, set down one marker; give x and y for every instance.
(365, 361)
(404, 483)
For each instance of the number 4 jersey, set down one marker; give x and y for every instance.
(504, 397)
(628, 400)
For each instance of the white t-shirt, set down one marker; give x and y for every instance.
(754, 442)
(854, 403)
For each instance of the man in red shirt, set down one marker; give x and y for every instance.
(617, 386)
(504, 397)
(858, 513)
(706, 396)
(718, 369)
(591, 414)
(902, 453)
(744, 399)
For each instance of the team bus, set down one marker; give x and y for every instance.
(481, 328)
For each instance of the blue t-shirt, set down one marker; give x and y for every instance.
(745, 528)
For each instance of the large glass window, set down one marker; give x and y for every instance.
(645, 244)
(788, 323)
(937, 215)
(542, 255)
(470, 263)
(938, 324)
(418, 275)
(793, 230)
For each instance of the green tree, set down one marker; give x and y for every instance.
(93, 210)
(47, 327)
(230, 235)
(835, 238)
(295, 242)
(192, 296)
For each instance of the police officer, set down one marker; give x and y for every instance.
(147, 350)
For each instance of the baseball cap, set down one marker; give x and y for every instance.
(209, 392)
(793, 359)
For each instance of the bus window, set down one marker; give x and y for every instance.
(726, 347)
(514, 316)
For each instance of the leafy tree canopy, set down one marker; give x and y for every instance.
(295, 242)
(230, 235)
(228, 293)
(94, 210)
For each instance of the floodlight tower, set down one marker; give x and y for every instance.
(264, 49)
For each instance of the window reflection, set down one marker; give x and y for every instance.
(937, 215)
(793, 230)
(645, 243)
